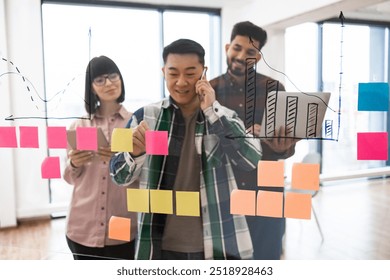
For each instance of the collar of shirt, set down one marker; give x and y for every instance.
(122, 112)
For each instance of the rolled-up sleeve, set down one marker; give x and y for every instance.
(243, 150)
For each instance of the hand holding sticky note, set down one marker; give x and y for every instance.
(156, 142)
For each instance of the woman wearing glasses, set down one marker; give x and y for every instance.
(95, 198)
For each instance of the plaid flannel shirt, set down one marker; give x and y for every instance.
(220, 142)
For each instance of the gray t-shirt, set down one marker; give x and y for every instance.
(183, 233)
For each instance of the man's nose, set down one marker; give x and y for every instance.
(241, 56)
(181, 81)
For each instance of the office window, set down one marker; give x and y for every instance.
(364, 52)
(132, 36)
(360, 52)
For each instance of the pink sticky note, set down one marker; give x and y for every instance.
(29, 137)
(50, 168)
(156, 142)
(243, 202)
(8, 137)
(86, 138)
(372, 146)
(56, 137)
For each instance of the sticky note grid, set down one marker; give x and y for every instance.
(267, 203)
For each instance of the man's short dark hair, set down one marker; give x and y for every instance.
(247, 28)
(184, 46)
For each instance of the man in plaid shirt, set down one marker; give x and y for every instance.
(205, 140)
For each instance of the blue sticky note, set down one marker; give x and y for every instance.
(373, 97)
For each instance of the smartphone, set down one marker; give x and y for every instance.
(71, 137)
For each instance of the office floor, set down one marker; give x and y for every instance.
(354, 217)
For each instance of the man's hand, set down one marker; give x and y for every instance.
(278, 143)
(255, 130)
(206, 92)
(139, 146)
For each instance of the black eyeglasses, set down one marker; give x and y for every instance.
(101, 80)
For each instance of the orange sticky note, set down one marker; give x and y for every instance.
(270, 173)
(8, 137)
(50, 168)
(161, 201)
(86, 138)
(119, 228)
(156, 142)
(269, 204)
(187, 204)
(122, 140)
(243, 202)
(56, 137)
(305, 176)
(29, 137)
(297, 205)
(138, 200)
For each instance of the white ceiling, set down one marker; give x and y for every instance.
(379, 12)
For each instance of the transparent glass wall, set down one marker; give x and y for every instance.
(350, 50)
(319, 53)
(132, 37)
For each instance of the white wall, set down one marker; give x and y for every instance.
(23, 192)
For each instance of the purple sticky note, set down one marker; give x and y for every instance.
(50, 168)
(29, 137)
(156, 142)
(56, 137)
(372, 146)
(8, 137)
(86, 138)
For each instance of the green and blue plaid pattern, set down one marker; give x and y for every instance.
(220, 141)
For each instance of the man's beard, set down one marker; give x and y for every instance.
(236, 72)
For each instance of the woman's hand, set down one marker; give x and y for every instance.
(79, 158)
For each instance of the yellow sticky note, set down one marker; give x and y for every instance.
(305, 176)
(243, 202)
(161, 201)
(122, 140)
(270, 173)
(138, 200)
(297, 205)
(187, 204)
(269, 204)
(119, 228)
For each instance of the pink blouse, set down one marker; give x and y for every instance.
(95, 196)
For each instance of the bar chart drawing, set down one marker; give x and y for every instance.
(329, 129)
(291, 115)
(300, 114)
(312, 116)
(250, 92)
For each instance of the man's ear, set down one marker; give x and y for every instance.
(227, 46)
(163, 71)
(258, 57)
